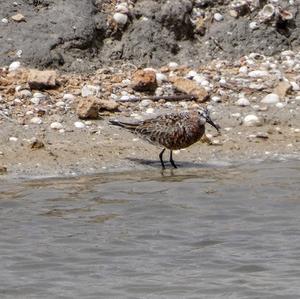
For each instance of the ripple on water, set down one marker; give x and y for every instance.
(220, 231)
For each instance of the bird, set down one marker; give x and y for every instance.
(172, 131)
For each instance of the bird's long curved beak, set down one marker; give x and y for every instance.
(216, 126)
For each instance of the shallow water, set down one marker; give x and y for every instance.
(210, 232)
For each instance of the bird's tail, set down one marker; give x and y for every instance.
(129, 126)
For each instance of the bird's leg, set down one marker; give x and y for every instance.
(171, 159)
(161, 158)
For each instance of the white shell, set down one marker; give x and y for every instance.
(270, 99)
(14, 66)
(120, 18)
(267, 13)
(251, 120)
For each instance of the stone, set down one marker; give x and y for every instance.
(36, 120)
(13, 139)
(88, 108)
(18, 17)
(14, 66)
(270, 99)
(90, 90)
(42, 79)
(144, 80)
(190, 87)
(68, 97)
(283, 88)
(120, 18)
(56, 125)
(251, 120)
(218, 17)
(243, 102)
(258, 74)
(79, 125)
(108, 105)
(24, 94)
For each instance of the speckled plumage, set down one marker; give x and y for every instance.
(171, 131)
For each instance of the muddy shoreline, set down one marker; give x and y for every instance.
(43, 135)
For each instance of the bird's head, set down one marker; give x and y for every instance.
(205, 118)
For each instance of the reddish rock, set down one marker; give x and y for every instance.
(88, 108)
(42, 79)
(190, 87)
(144, 80)
(108, 105)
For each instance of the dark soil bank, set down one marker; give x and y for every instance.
(82, 34)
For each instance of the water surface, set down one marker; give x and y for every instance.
(207, 232)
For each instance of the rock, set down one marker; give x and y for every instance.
(4, 21)
(14, 66)
(280, 105)
(282, 89)
(88, 108)
(3, 170)
(295, 86)
(258, 74)
(36, 120)
(243, 69)
(218, 17)
(120, 18)
(145, 103)
(270, 99)
(18, 17)
(253, 25)
(37, 144)
(144, 80)
(243, 102)
(90, 90)
(216, 99)
(173, 65)
(13, 139)
(68, 97)
(79, 125)
(160, 78)
(251, 120)
(24, 94)
(56, 126)
(190, 87)
(42, 79)
(108, 105)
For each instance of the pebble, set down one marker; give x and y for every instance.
(295, 86)
(251, 120)
(25, 93)
(40, 96)
(120, 18)
(79, 125)
(90, 90)
(270, 99)
(36, 120)
(56, 126)
(173, 65)
(243, 69)
(14, 66)
(145, 103)
(258, 74)
(69, 97)
(253, 25)
(60, 104)
(280, 105)
(4, 21)
(13, 139)
(160, 78)
(150, 111)
(216, 99)
(243, 102)
(218, 17)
